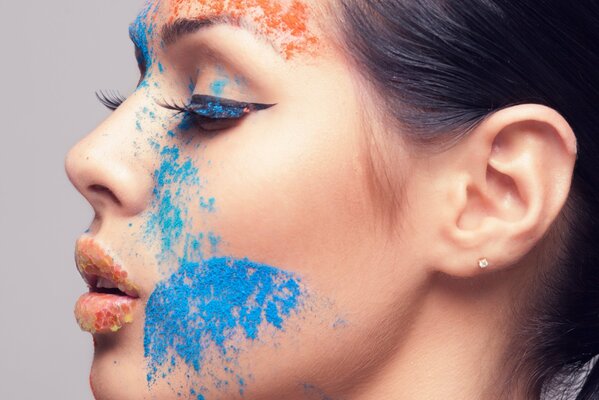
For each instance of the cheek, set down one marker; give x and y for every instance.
(288, 188)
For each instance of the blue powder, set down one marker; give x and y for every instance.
(207, 204)
(167, 218)
(315, 393)
(197, 395)
(217, 87)
(154, 144)
(138, 125)
(186, 123)
(145, 83)
(141, 31)
(215, 109)
(240, 80)
(339, 323)
(214, 242)
(206, 303)
(160, 68)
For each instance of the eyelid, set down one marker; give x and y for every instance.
(212, 113)
(215, 108)
(223, 108)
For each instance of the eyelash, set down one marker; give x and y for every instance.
(110, 99)
(209, 113)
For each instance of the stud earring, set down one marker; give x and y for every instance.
(483, 263)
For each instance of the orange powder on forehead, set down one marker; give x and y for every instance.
(286, 24)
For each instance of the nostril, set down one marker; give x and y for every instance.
(104, 191)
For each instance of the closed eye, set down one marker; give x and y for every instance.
(212, 113)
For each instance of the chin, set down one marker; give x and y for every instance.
(118, 369)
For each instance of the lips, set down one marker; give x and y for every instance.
(112, 298)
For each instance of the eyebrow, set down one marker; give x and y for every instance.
(173, 31)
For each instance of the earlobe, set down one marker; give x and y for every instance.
(511, 182)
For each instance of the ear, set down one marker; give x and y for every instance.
(503, 186)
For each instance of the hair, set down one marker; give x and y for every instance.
(440, 67)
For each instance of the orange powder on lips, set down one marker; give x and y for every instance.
(285, 24)
(102, 313)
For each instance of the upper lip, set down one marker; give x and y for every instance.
(94, 263)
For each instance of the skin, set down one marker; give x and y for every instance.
(400, 313)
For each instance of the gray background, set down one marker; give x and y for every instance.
(53, 56)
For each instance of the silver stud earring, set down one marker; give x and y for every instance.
(483, 263)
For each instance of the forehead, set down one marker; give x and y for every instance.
(288, 24)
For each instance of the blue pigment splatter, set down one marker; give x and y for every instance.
(214, 242)
(206, 303)
(207, 204)
(216, 109)
(339, 323)
(141, 32)
(172, 177)
(315, 393)
(186, 123)
(218, 87)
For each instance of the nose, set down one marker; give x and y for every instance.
(108, 169)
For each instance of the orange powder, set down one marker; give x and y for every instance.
(285, 23)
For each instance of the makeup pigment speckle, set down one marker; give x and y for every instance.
(207, 301)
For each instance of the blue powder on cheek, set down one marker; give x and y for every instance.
(167, 218)
(214, 242)
(207, 303)
(207, 204)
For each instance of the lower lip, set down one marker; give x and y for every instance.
(104, 313)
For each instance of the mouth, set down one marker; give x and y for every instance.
(112, 298)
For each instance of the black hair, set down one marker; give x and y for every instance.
(441, 67)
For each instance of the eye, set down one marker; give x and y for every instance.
(212, 113)
(110, 99)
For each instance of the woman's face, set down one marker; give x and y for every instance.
(250, 246)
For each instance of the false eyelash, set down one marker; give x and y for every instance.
(111, 99)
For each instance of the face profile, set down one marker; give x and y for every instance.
(237, 154)
(265, 229)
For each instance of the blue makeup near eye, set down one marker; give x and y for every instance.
(218, 87)
(221, 108)
(211, 113)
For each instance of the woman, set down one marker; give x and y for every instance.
(346, 199)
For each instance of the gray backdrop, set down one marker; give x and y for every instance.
(53, 56)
